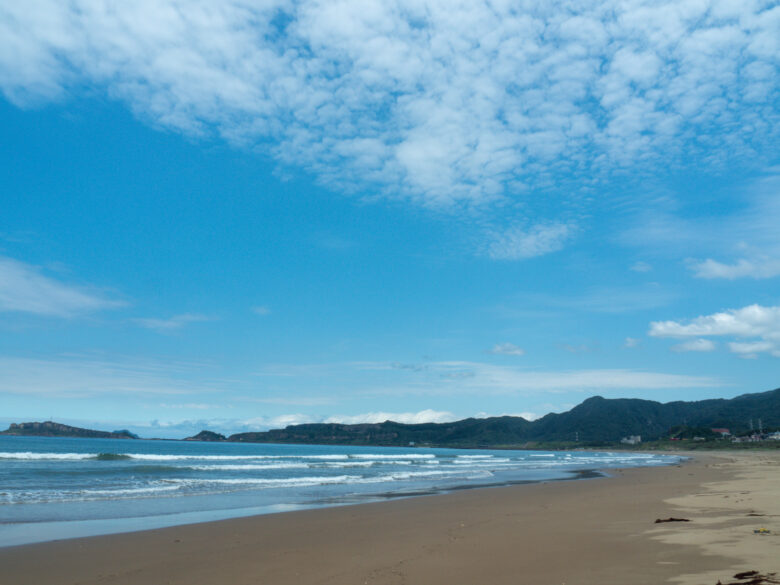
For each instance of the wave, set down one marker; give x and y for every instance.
(490, 461)
(347, 464)
(156, 457)
(413, 474)
(112, 457)
(30, 456)
(396, 456)
(277, 482)
(85, 495)
(129, 491)
(247, 467)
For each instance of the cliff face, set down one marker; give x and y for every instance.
(53, 429)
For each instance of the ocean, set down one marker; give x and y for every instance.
(53, 488)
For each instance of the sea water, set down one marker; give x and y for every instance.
(53, 488)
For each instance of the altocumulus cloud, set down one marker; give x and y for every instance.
(518, 243)
(441, 102)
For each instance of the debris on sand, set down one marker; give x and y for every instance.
(660, 520)
(752, 578)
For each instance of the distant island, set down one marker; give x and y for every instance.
(596, 422)
(207, 436)
(53, 429)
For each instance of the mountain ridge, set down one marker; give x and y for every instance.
(595, 420)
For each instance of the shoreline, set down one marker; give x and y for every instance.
(19, 534)
(586, 532)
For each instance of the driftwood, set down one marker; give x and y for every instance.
(660, 520)
(752, 578)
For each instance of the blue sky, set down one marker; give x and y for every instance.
(242, 215)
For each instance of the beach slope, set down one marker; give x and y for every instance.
(598, 531)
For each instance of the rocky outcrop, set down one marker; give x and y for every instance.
(207, 436)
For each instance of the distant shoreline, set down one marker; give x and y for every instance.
(54, 430)
(612, 423)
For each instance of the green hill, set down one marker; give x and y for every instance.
(596, 420)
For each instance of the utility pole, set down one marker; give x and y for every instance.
(760, 427)
(750, 422)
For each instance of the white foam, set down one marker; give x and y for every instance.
(129, 491)
(412, 474)
(278, 482)
(249, 466)
(30, 456)
(84, 495)
(397, 456)
(156, 457)
(344, 464)
(481, 461)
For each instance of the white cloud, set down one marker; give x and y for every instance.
(410, 418)
(751, 350)
(641, 267)
(284, 420)
(525, 415)
(614, 299)
(580, 348)
(755, 268)
(442, 102)
(695, 345)
(288, 400)
(631, 342)
(84, 376)
(745, 237)
(753, 321)
(507, 349)
(23, 288)
(446, 379)
(191, 406)
(519, 243)
(228, 426)
(171, 324)
(261, 310)
(490, 379)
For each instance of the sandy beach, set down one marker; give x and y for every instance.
(598, 531)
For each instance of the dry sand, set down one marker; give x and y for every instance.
(727, 511)
(598, 531)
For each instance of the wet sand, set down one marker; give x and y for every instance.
(596, 531)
